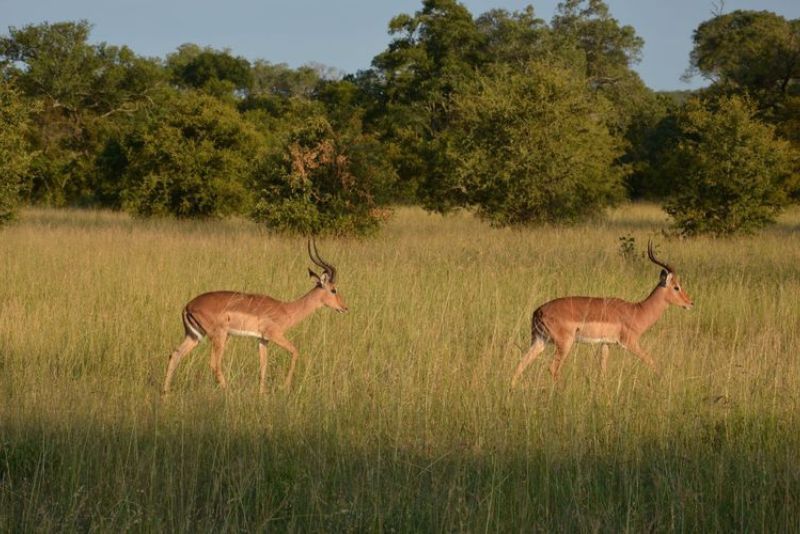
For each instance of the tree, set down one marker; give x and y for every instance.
(79, 90)
(319, 178)
(433, 52)
(192, 156)
(729, 171)
(652, 136)
(757, 51)
(530, 146)
(214, 71)
(14, 154)
(609, 48)
(281, 80)
(514, 38)
(586, 34)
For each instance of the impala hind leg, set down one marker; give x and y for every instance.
(186, 346)
(563, 347)
(217, 350)
(262, 366)
(537, 347)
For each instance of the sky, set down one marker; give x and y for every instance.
(347, 34)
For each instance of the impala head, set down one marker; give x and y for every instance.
(669, 280)
(325, 281)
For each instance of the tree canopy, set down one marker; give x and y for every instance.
(729, 172)
(522, 120)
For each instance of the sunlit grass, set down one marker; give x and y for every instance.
(400, 418)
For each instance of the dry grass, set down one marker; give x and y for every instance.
(400, 418)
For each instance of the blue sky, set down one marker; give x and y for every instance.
(347, 34)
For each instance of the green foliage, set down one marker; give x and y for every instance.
(440, 49)
(80, 93)
(754, 53)
(588, 26)
(320, 179)
(194, 157)
(627, 246)
(281, 80)
(214, 71)
(14, 152)
(530, 147)
(748, 50)
(514, 38)
(585, 34)
(729, 172)
(433, 52)
(110, 128)
(651, 136)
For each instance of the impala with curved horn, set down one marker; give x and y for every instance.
(220, 314)
(566, 320)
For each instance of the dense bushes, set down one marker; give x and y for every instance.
(521, 121)
(14, 155)
(320, 180)
(729, 172)
(530, 146)
(193, 156)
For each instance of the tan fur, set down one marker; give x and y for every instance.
(568, 320)
(220, 314)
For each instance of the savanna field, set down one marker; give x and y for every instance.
(400, 418)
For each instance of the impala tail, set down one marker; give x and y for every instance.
(192, 326)
(538, 328)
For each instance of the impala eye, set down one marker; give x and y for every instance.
(677, 288)
(333, 291)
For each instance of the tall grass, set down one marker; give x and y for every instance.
(400, 418)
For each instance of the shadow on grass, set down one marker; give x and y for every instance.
(738, 476)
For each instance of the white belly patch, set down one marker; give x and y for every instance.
(594, 340)
(245, 333)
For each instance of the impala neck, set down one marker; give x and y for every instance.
(651, 308)
(299, 309)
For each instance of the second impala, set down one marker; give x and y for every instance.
(601, 320)
(220, 314)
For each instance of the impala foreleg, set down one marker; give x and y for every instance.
(633, 346)
(537, 347)
(286, 344)
(262, 366)
(603, 359)
(183, 349)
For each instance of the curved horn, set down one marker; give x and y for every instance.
(330, 269)
(311, 255)
(656, 260)
(327, 266)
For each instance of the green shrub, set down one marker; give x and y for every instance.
(193, 158)
(729, 172)
(318, 179)
(530, 146)
(14, 155)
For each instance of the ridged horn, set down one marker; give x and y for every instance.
(656, 260)
(313, 253)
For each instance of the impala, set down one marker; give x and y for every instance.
(566, 320)
(220, 314)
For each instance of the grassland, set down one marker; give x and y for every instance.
(400, 419)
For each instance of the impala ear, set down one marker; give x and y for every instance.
(324, 278)
(665, 278)
(315, 276)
